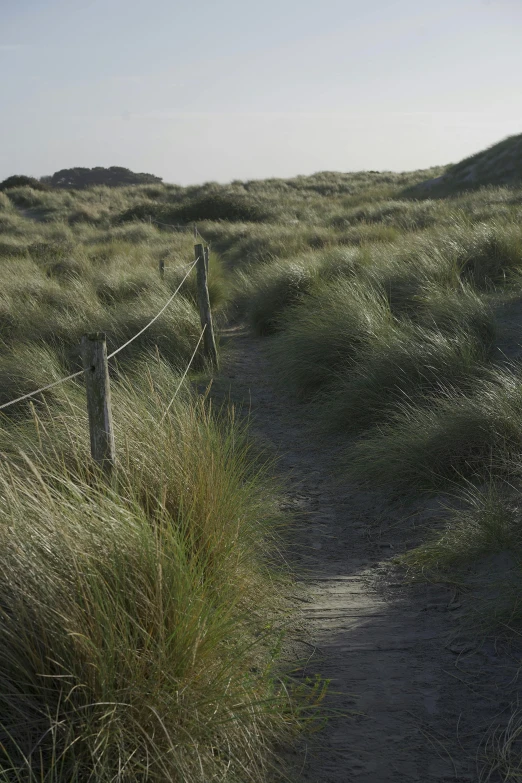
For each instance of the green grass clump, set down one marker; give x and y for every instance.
(447, 438)
(403, 215)
(174, 334)
(405, 365)
(449, 311)
(448, 260)
(366, 233)
(13, 224)
(12, 247)
(5, 203)
(327, 334)
(26, 197)
(120, 237)
(338, 262)
(485, 522)
(28, 366)
(232, 207)
(268, 290)
(114, 286)
(247, 245)
(477, 549)
(131, 634)
(492, 255)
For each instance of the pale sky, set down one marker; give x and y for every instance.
(197, 90)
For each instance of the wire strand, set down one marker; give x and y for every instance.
(200, 235)
(44, 388)
(110, 356)
(184, 375)
(80, 372)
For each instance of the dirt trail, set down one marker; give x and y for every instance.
(415, 704)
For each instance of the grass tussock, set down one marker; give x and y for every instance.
(447, 438)
(267, 291)
(132, 642)
(485, 523)
(337, 323)
(30, 366)
(478, 550)
(403, 366)
(503, 751)
(229, 206)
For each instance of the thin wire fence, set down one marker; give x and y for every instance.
(43, 388)
(184, 375)
(114, 353)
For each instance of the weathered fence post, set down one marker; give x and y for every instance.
(162, 269)
(205, 313)
(206, 259)
(195, 230)
(94, 355)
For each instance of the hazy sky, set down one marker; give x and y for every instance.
(199, 90)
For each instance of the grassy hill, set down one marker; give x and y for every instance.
(385, 316)
(140, 622)
(500, 164)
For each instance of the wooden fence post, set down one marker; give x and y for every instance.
(206, 259)
(162, 269)
(205, 313)
(94, 354)
(195, 230)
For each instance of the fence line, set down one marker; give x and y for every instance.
(110, 356)
(97, 384)
(44, 388)
(184, 374)
(96, 367)
(114, 353)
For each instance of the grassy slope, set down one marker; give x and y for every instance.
(500, 164)
(385, 317)
(382, 313)
(140, 625)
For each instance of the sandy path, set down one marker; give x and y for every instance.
(414, 706)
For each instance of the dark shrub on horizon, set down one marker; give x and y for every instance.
(113, 176)
(20, 181)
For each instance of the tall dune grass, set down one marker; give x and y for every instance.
(404, 366)
(327, 334)
(447, 438)
(139, 629)
(140, 624)
(132, 642)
